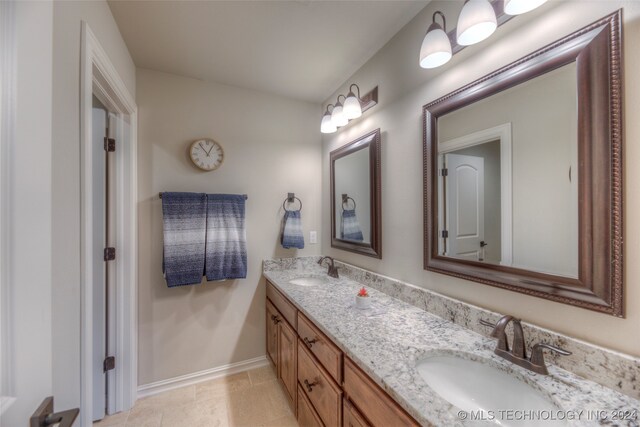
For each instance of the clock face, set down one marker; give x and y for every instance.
(206, 154)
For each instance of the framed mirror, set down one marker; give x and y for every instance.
(355, 196)
(523, 174)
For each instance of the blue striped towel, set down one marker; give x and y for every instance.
(350, 227)
(292, 231)
(184, 223)
(226, 237)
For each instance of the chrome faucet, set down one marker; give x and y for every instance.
(333, 270)
(517, 354)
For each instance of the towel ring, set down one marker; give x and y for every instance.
(284, 204)
(346, 200)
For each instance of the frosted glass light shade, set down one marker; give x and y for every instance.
(476, 22)
(518, 7)
(436, 48)
(337, 116)
(351, 108)
(327, 126)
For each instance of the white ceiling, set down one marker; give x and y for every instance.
(298, 49)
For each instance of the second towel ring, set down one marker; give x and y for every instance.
(284, 204)
(346, 200)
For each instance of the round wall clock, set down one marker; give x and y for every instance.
(206, 154)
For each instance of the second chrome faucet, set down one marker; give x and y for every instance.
(518, 354)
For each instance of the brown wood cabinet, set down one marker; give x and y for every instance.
(352, 417)
(325, 388)
(287, 360)
(272, 333)
(282, 344)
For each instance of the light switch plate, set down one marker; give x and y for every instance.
(313, 237)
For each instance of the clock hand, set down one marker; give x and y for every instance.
(205, 151)
(211, 149)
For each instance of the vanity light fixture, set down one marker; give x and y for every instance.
(337, 115)
(352, 108)
(327, 126)
(518, 7)
(476, 22)
(436, 46)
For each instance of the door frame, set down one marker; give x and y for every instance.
(503, 134)
(98, 76)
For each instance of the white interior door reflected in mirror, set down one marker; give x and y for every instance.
(464, 205)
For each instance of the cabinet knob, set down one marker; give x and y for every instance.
(309, 342)
(275, 319)
(310, 385)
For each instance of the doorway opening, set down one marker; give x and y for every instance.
(108, 343)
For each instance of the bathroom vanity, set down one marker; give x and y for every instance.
(342, 366)
(324, 387)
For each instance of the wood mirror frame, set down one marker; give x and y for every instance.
(597, 52)
(374, 248)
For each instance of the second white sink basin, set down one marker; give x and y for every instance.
(475, 386)
(308, 281)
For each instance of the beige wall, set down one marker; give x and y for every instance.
(405, 88)
(28, 208)
(67, 17)
(272, 146)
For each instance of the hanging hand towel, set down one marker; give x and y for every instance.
(184, 217)
(226, 237)
(350, 227)
(292, 230)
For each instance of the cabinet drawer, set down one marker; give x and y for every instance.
(351, 416)
(307, 416)
(285, 308)
(379, 409)
(325, 351)
(323, 393)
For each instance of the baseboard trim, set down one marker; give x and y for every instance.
(198, 377)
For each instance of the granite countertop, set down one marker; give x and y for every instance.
(388, 340)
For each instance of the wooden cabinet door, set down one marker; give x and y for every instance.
(288, 359)
(272, 333)
(351, 416)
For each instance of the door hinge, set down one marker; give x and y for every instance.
(109, 363)
(109, 144)
(109, 254)
(445, 234)
(445, 172)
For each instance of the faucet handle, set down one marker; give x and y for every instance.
(486, 323)
(537, 356)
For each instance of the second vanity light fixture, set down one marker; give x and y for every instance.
(351, 108)
(476, 22)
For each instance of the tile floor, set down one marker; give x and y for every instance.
(252, 398)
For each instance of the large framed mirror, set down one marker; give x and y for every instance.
(355, 196)
(523, 174)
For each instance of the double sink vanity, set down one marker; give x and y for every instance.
(399, 364)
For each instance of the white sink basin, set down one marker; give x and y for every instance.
(308, 281)
(475, 386)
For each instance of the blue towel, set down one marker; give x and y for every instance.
(292, 231)
(226, 237)
(350, 227)
(184, 222)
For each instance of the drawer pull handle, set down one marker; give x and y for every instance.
(309, 342)
(275, 319)
(310, 385)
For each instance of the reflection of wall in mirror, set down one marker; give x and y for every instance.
(543, 114)
(352, 178)
(490, 152)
